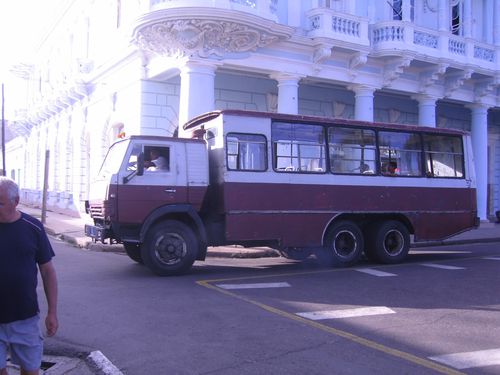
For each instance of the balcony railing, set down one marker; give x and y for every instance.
(395, 37)
(347, 28)
(263, 8)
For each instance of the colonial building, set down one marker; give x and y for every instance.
(109, 67)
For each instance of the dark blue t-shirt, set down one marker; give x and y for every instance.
(23, 245)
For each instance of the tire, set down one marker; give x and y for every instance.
(133, 251)
(170, 248)
(388, 242)
(295, 253)
(343, 245)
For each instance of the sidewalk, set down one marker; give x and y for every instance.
(71, 230)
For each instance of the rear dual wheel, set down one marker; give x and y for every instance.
(343, 244)
(387, 242)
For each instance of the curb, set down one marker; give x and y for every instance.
(99, 362)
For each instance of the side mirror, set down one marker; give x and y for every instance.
(140, 164)
(139, 170)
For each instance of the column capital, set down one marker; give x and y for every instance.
(199, 65)
(478, 107)
(283, 77)
(362, 89)
(425, 98)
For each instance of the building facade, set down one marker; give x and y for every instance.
(108, 68)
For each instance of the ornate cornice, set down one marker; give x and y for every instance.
(173, 33)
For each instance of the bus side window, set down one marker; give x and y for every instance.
(298, 148)
(352, 150)
(444, 156)
(400, 153)
(246, 152)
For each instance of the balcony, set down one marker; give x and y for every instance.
(346, 30)
(208, 27)
(262, 8)
(395, 38)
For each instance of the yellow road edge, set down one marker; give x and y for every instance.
(349, 336)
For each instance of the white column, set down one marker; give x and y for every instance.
(467, 19)
(443, 17)
(288, 93)
(496, 22)
(479, 135)
(426, 110)
(363, 108)
(197, 90)
(406, 8)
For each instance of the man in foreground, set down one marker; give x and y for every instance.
(23, 246)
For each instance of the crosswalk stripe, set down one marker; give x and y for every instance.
(347, 313)
(461, 361)
(441, 266)
(371, 271)
(253, 286)
(492, 258)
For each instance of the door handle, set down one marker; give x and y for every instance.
(170, 190)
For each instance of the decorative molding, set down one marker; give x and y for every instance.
(430, 77)
(358, 60)
(321, 53)
(203, 37)
(486, 87)
(394, 69)
(454, 81)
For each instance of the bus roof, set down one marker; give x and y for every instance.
(208, 116)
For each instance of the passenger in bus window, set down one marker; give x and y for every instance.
(365, 169)
(390, 168)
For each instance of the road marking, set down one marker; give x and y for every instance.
(462, 361)
(371, 271)
(492, 258)
(253, 286)
(441, 266)
(347, 313)
(424, 362)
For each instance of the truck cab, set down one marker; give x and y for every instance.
(148, 182)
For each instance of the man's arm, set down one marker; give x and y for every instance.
(49, 279)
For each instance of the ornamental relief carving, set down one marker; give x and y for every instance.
(201, 37)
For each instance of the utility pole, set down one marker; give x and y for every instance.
(4, 172)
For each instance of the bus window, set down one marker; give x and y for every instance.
(298, 148)
(352, 150)
(400, 153)
(444, 156)
(246, 152)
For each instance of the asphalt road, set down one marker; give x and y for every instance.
(275, 316)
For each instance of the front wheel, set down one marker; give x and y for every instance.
(170, 248)
(389, 242)
(343, 245)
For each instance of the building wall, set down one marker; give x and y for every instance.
(112, 68)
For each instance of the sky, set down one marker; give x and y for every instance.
(21, 24)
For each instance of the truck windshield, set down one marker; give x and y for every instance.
(114, 158)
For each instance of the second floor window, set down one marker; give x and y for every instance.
(456, 17)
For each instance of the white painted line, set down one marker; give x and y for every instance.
(371, 271)
(492, 258)
(100, 361)
(441, 266)
(471, 359)
(348, 313)
(253, 286)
